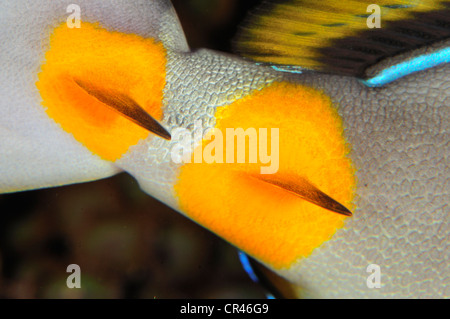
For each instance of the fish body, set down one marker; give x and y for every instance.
(381, 152)
(402, 204)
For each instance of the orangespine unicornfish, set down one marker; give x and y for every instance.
(337, 108)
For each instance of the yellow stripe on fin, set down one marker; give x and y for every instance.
(306, 33)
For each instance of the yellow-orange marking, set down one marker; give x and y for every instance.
(268, 222)
(113, 61)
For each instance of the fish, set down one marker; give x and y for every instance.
(320, 150)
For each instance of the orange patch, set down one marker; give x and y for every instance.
(270, 223)
(113, 61)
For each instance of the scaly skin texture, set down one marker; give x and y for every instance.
(400, 147)
(197, 84)
(398, 134)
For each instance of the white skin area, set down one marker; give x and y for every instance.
(398, 134)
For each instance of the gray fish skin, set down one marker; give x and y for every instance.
(400, 145)
(399, 135)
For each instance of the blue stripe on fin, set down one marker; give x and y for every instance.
(288, 68)
(245, 261)
(272, 292)
(284, 68)
(416, 64)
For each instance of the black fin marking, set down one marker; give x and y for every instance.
(125, 106)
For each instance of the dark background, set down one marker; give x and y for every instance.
(127, 244)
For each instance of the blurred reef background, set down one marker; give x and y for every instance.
(127, 244)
